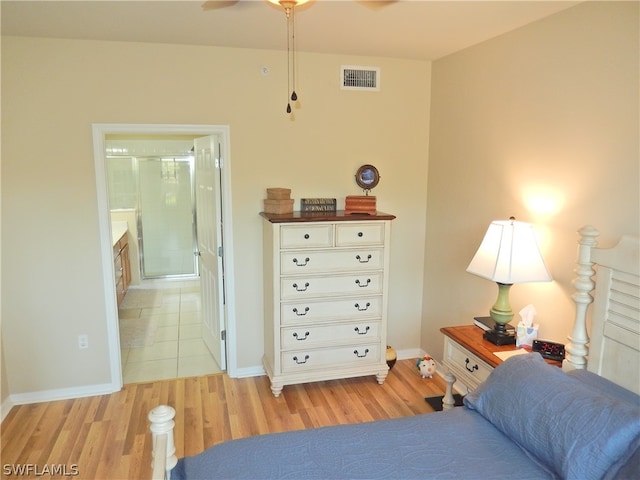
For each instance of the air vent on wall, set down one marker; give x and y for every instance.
(359, 78)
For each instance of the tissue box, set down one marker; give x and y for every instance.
(526, 335)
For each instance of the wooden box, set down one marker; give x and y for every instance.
(278, 193)
(362, 204)
(278, 206)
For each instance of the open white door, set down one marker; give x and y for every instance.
(209, 232)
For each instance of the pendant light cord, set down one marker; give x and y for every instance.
(288, 62)
(294, 95)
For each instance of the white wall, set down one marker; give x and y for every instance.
(551, 108)
(541, 123)
(54, 90)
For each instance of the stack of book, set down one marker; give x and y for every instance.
(487, 323)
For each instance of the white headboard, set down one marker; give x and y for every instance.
(614, 350)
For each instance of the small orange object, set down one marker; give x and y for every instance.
(362, 204)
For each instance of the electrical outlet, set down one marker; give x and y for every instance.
(83, 341)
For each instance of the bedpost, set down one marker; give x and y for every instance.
(163, 458)
(576, 349)
(448, 401)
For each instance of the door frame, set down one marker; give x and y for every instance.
(100, 131)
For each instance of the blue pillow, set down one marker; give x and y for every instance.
(564, 424)
(605, 386)
(629, 470)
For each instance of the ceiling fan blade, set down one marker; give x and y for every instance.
(216, 4)
(376, 4)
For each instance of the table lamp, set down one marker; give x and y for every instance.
(508, 254)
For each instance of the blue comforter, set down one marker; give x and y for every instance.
(528, 420)
(458, 444)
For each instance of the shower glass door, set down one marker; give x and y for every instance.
(166, 217)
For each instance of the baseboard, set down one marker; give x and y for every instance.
(105, 389)
(62, 394)
(5, 408)
(404, 354)
(255, 371)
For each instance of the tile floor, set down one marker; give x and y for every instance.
(171, 314)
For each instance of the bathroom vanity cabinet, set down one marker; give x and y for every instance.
(122, 266)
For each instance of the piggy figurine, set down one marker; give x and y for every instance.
(427, 366)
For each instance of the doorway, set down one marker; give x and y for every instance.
(167, 290)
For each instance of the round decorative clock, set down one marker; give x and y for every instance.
(367, 177)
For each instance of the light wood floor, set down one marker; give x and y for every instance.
(107, 437)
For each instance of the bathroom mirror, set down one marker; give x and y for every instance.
(367, 177)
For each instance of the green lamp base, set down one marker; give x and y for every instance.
(502, 314)
(501, 311)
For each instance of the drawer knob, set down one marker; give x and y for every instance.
(306, 260)
(306, 285)
(295, 310)
(357, 354)
(360, 234)
(365, 285)
(295, 335)
(363, 261)
(466, 365)
(366, 330)
(300, 362)
(306, 236)
(366, 307)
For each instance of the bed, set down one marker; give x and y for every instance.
(528, 420)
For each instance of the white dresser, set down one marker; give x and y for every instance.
(326, 283)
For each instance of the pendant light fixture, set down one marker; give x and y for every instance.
(289, 10)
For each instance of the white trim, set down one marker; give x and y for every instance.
(106, 250)
(5, 408)
(62, 394)
(255, 371)
(227, 242)
(406, 353)
(100, 130)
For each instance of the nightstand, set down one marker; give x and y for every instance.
(469, 358)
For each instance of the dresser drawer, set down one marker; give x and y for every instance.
(313, 336)
(292, 263)
(296, 313)
(306, 236)
(465, 364)
(354, 234)
(303, 286)
(310, 359)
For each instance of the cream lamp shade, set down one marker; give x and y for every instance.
(508, 254)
